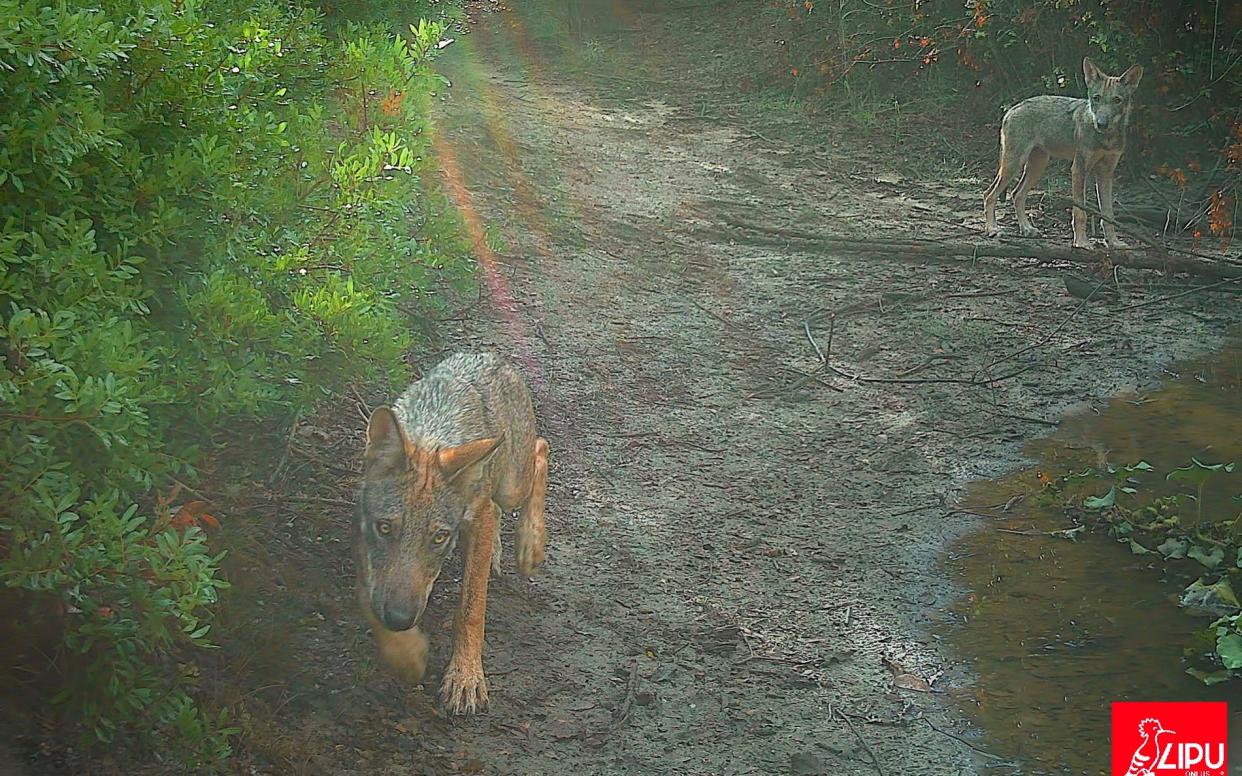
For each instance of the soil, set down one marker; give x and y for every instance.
(743, 572)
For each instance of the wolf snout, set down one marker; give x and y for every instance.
(397, 618)
(398, 615)
(1101, 122)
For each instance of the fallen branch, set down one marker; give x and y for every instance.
(906, 248)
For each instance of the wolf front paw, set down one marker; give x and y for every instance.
(529, 549)
(463, 690)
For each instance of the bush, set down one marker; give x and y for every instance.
(212, 211)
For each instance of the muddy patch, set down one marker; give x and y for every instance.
(1055, 630)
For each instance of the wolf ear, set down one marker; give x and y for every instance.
(385, 443)
(1131, 77)
(1091, 72)
(455, 460)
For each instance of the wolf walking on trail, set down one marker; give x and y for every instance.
(458, 448)
(1091, 132)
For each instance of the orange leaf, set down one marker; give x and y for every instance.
(162, 502)
(392, 103)
(193, 513)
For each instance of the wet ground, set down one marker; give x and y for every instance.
(756, 446)
(1055, 630)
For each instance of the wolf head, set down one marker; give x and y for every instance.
(413, 506)
(1109, 97)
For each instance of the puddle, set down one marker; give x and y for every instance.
(1056, 630)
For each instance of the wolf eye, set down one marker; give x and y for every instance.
(383, 527)
(1117, 99)
(440, 537)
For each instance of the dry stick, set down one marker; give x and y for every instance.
(284, 457)
(627, 706)
(806, 326)
(336, 502)
(1026, 533)
(1050, 334)
(961, 740)
(879, 768)
(934, 247)
(1149, 242)
(912, 510)
(900, 379)
(932, 380)
(1171, 297)
(832, 329)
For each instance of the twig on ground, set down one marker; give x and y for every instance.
(1149, 242)
(832, 329)
(961, 740)
(623, 712)
(1050, 334)
(878, 767)
(362, 403)
(326, 464)
(336, 502)
(912, 510)
(806, 326)
(1171, 297)
(195, 491)
(1024, 418)
(284, 457)
(932, 380)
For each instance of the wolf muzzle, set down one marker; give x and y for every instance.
(398, 615)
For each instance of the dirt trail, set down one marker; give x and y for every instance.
(748, 545)
(733, 547)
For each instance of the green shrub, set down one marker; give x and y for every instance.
(212, 211)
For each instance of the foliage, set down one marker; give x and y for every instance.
(212, 211)
(1167, 521)
(980, 56)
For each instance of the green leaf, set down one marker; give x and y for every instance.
(1208, 556)
(1217, 599)
(1214, 677)
(1137, 548)
(1101, 502)
(1229, 647)
(1176, 548)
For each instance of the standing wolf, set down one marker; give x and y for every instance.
(1091, 132)
(458, 448)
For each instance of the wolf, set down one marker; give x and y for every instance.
(458, 448)
(1091, 132)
